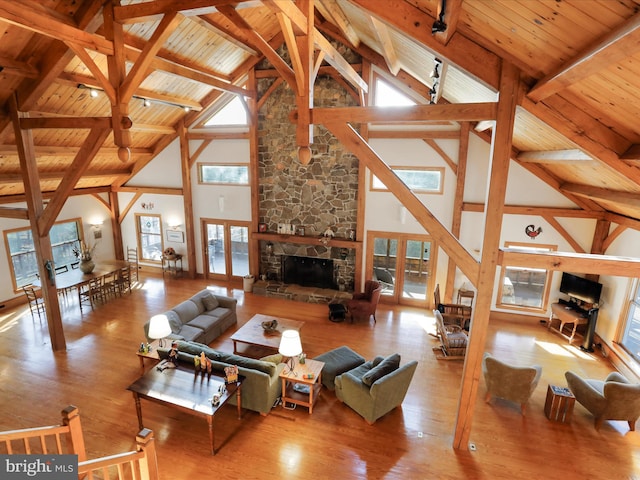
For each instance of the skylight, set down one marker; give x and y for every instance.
(388, 96)
(233, 113)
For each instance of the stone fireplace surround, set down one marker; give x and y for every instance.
(317, 196)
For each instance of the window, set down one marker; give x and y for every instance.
(419, 180)
(631, 337)
(232, 114)
(228, 174)
(526, 288)
(388, 96)
(150, 237)
(64, 237)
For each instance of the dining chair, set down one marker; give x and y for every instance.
(132, 258)
(109, 285)
(91, 293)
(123, 280)
(36, 304)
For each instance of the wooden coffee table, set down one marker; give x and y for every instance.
(178, 388)
(263, 343)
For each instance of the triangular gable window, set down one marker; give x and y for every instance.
(232, 114)
(388, 96)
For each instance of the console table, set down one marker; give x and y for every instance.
(170, 265)
(566, 314)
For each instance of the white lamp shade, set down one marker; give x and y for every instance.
(159, 326)
(290, 345)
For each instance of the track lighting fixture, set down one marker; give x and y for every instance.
(146, 102)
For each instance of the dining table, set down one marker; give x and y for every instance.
(75, 278)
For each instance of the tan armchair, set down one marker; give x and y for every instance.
(615, 398)
(509, 382)
(363, 305)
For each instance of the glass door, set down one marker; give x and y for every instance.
(226, 248)
(402, 264)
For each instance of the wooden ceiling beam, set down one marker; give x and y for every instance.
(540, 211)
(630, 199)
(44, 21)
(100, 78)
(9, 66)
(451, 17)
(141, 68)
(614, 46)
(7, 179)
(261, 44)
(66, 122)
(16, 213)
(460, 51)
(57, 151)
(150, 11)
(554, 156)
(331, 10)
(228, 31)
(384, 38)
(454, 112)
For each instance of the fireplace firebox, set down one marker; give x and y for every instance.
(308, 271)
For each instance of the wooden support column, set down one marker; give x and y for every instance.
(187, 198)
(114, 213)
(254, 244)
(304, 95)
(597, 245)
(41, 241)
(463, 150)
(510, 93)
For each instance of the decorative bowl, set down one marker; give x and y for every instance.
(270, 326)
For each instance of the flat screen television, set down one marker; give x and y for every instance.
(580, 288)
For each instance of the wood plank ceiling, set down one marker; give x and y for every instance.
(575, 128)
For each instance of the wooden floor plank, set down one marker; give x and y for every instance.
(333, 442)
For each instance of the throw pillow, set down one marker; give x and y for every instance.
(210, 302)
(174, 321)
(386, 366)
(275, 358)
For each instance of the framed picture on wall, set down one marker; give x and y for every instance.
(262, 227)
(175, 236)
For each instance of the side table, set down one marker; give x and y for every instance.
(152, 354)
(167, 265)
(298, 389)
(559, 404)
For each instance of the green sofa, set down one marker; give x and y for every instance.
(376, 387)
(261, 387)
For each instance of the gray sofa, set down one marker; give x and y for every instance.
(201, 318)
(261, 387)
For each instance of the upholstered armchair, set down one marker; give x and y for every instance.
(509, 382)
(615, 398)
(363, 305)
(376, 387)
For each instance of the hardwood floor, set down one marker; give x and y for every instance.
(334, 442)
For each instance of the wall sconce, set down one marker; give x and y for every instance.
(173, 223)
(269, 248)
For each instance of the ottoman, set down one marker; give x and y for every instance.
(336, 362)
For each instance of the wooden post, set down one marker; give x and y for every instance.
(187, 198)
(463, 150)
(254, 244)
(71, 418)
(146, 443)
(510, 93)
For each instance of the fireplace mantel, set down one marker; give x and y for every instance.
(304, 240)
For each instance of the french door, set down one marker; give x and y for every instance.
(403, 264)
(225, 248)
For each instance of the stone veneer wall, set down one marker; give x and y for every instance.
(316, 196)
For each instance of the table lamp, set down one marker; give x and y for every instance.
(159, 328)
(290, 346)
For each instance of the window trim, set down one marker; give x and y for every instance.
(199, 166)
(546, 289)
(139, 237)
(16, 288)
(440, 191)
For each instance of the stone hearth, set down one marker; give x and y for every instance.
(275, 289)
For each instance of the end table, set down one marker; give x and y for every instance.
(293, 379)
(151, 354)
(559, 404)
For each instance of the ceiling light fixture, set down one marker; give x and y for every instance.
(146, 102)
(93, 92)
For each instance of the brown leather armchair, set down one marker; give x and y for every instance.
(364, 304)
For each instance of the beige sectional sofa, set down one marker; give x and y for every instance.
(201, 318)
